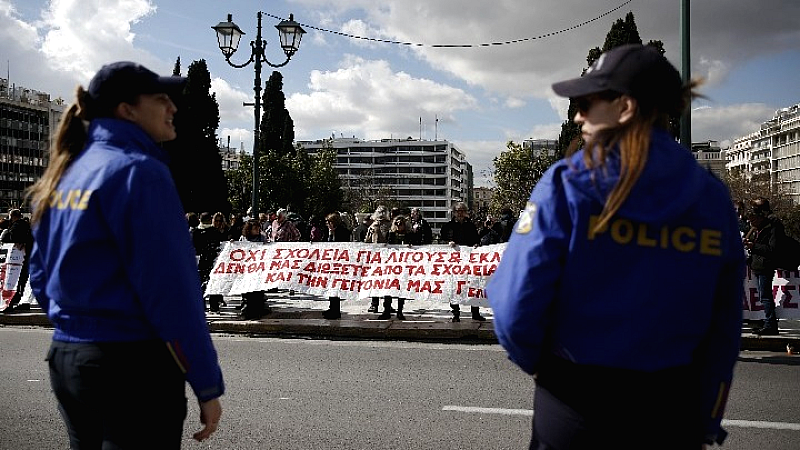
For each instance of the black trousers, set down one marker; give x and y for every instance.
(589, 407)
(23, 280)
(119, 395)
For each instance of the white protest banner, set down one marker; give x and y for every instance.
(785, 291)
(11, 258)
(27, 295)
(357, 270)
(433, 273)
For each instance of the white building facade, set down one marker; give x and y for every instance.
(773, 151)
(430, 175)
(27, 118)
(709, 155)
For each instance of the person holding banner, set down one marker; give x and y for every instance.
(335, 231)
(399, 234)
(421, 227)
(208, 238)
(378, 233)
(460, 230)
(762, 242)
(591, 294)
(123, 292)
(19, 233)
(254, 303)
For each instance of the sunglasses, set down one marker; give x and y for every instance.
(584, 104)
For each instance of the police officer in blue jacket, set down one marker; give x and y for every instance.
(115, 271)
(621, 287)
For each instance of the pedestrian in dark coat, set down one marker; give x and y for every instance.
(461, 231)
(335, 231)
(762, 242)
(19, 233)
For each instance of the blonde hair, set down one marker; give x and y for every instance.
(67, 142)
(65, 145)
(334, 218)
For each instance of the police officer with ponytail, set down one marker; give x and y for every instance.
(121, 288)
(621, 287)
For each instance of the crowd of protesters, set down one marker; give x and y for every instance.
(384, 226)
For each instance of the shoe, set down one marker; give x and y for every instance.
(766, 331)
(400, 315)
(478, 318)
(391, 310)
(455, 319)
(385, 316)
(250, 313)
(331, 315)
(213, 304)
(22, 307)
(373, 309)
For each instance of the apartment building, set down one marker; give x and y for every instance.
(27, 117)
(541, 146)
(709, 155)
(773, 151)
(482, 200)
(430, 175)
(231, 157)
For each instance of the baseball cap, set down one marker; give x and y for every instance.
(124, 80)
(640, 71)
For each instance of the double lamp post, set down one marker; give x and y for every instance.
(228, 36)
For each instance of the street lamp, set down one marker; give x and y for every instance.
(228, 36)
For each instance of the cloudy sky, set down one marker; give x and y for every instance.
(483, 96)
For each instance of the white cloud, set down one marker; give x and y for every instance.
(713, 72)
(725, 123)
(81, 35)
(513, 103)
(545, 131)
(361, 29)
(231, 100)
(239, 138)
(70, 41)
(233, 114)
(368, 99)
(477, 93)
(732, 33)
(15, 32)
(481, 154)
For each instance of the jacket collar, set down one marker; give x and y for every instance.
(128, 136)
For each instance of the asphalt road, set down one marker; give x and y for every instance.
(309, 394)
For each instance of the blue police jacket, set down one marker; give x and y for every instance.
(112, 261)
(660, 286)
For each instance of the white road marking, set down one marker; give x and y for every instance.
(759, 424)
(475, 409)
(529, 413)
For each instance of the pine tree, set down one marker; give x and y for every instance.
(176, 72)
(195, 161)
(622, 32)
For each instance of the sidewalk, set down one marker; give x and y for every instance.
(300, 315)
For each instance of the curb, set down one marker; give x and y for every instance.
(362, 327)
(351, 329)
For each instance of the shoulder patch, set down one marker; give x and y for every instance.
(525, 222)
